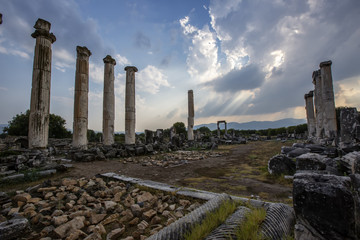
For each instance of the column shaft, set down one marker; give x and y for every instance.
(317, 81)
(191, 115)
(330, 125)
(80, 126)
(108, 101)
(41, 84)
(130, 105)
(309, 106)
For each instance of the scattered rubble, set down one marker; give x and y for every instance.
(89, 209)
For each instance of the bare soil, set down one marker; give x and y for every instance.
(241, 172)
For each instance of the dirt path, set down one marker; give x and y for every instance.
(234, 173)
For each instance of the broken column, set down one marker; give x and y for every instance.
(329, 114)
(317, 81)
(130, 105)
(80, 126)
(108, 101)
(191, 115)
(309, 106)
(40, 89)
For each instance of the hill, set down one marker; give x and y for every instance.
(256, 125)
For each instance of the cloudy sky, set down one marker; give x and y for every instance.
(245, 60)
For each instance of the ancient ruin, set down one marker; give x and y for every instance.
(218, 127)
(108, 101)
(191, 115)
(130, 105)
(1, 18)
(41, 83)
(80, 126)
(309, 106)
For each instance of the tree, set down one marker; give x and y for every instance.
(204, 130)
(92, 136)
(19, 126)
(57, 127)
(179, 127)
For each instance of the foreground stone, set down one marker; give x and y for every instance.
(281, 164)
(325, 207)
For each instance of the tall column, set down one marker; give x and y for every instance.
(190, 115)
(108, 101)
(41, 84)
(318, 104)
(309, 106)
(80, 126)
(130, 105)
(330, 125)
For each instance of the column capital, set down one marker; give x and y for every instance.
(326, 63)
(316, 74)
(190, 91)
(83, 51)
(309, 95)
(0, 18)
(43, 30)
(109, 59)
(131, 68)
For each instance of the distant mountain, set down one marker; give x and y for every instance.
(256, 125)
(2, 127)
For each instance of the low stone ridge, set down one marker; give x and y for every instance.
(90, 209)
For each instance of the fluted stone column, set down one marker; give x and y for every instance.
(108, 101)
(41, 83)
(191, 115)
(80, 126)
(330, 125)
(309, 106)
(317, 81)
(130, 105)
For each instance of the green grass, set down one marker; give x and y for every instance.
(249, 229)
(211, 221)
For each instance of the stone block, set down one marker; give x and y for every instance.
(281, 164)
(326, 204)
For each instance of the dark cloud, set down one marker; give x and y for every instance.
(142, 41)
(249, 77)
(66, 24)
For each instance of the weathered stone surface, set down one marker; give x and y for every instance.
(149, 214)
(297, 152)
(115, 234)
(108, 101)
(281, 164)
(348, 122)
(325, 203)
(14, 228)
(191, 114)
(73, 225)
(350, 163)
(311, 161)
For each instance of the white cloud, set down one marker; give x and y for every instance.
(121, 60)
(202, 59)
(150, 79)
(96, 73)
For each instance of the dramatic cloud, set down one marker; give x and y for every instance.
(280, 43)
(202, 60)
(121, 60)
(150, 79)
(247, 78)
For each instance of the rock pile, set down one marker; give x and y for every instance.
(89, 209)
(172, 159)
(325, 190)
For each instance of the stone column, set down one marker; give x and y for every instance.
(80, 126)
(309, 106)
(191, 115)
(218, 129)
(108, 101)
(130, 105)
(41, 84)
(330, 125)
(318, 104)
(0, 18)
